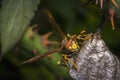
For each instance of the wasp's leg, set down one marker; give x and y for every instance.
(73, 54)
(83, 37)
(83, 31)
(69, 60)
(63, 62)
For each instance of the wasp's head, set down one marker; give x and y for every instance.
(70, 43)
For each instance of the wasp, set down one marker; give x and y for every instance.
(69, 47)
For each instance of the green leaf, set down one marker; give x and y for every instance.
(15, 16)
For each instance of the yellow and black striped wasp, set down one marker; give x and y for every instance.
(69, 47)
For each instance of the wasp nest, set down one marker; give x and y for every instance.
(95, 61)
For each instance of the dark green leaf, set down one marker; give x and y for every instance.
(15, 16)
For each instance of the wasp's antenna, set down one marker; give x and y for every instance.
(54, 23)
(39, 57)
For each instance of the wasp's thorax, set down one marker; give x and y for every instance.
(70, 44)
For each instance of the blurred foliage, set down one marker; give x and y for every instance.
(72, 17)
(15, 17)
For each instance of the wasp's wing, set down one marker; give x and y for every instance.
(54, 24)
(39, 57)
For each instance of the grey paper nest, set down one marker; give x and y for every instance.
(95, 61)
